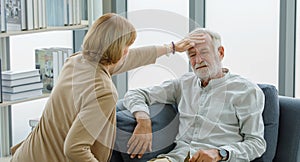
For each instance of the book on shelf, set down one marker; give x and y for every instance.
(13, 15)
(18, 74)
(21, 84)
(29, 15)
(22, 88)
(1, 99)
(50, 62)
(47, 63)
(66, 21)
(22, 81)
(63, 54)
(55, 12)
(35, 15)
(58, 52)
(70, 12)
(17, 15)
(42, 14)
(67, 52)
(2, 16)
(1, 13)
(78, 11)
(22, 95)
(23, 15)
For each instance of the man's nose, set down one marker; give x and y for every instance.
(198, 58)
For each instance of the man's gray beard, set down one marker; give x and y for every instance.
(198, 74)
(211, 73)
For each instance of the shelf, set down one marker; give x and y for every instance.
(5, 159)
(7, 103)
(74, 27)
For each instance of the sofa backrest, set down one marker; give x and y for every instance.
(288, 145)
(271, 121)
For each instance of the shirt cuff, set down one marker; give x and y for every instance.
(139, 108)
(230, 152)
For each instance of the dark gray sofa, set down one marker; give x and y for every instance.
(281, 118)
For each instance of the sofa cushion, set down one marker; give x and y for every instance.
(164, 128)
(271, 121)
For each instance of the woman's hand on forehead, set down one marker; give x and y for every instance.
(198, 38)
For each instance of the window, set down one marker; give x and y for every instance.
(250, 33)
(158, 24)
(297, 70)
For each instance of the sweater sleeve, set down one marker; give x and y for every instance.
(95, 123)
(77, 146)
(135, 58)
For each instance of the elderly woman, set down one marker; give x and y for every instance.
(79, 119)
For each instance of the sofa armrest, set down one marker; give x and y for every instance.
(165, 122)
(288, 145)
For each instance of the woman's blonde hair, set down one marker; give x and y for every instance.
(107, 38)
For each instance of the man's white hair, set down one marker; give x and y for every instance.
(216, 38)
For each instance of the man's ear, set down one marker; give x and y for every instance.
(221, 52)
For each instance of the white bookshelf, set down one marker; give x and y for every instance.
(59, 28)
(8, 103)
(5, 159)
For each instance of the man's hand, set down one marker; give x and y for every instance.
(141, 139)
(211, 155)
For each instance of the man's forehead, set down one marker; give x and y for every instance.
(206, 35)
(202, 46)
(199, 47)
(207, 39)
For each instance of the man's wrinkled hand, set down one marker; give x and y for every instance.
(211, 155)
(141, 139)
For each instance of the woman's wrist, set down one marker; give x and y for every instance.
(173, 47)
(170, 48)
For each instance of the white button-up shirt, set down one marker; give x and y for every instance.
(227, 113)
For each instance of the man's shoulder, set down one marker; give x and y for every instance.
(239, 78)
(239, 81)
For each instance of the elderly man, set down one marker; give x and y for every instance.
(220, 113)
